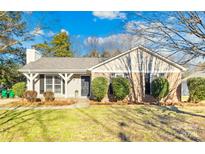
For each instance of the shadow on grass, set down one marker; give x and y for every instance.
(175, 109)
(12, 118)
(109, 129)
(162, 122)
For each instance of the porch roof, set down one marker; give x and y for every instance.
(61, 64)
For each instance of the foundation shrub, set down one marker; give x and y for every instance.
(99, 88)
(120, 87)
(49, 96)
(160, 88)
(196, 88)
(30, 95)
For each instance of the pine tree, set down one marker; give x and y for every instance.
(61, 45)
(58, 47)
(12, 54)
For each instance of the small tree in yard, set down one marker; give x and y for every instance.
(120, 87)
(99, 88)
(160, 88)
(19, 88)
(196, 88)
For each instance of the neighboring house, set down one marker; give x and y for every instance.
(71, 77)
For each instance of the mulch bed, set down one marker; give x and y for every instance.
(113, 103)
(149, 103)
(43, 103)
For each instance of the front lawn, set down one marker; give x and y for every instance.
(105, 123)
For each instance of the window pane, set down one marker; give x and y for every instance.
(119, 75)
(161, 74)
(48, 79)
(48, 87)
(57, 89)
(57, 80)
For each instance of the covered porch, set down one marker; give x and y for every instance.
(64, 85)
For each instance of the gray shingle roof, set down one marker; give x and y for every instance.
(61, 64)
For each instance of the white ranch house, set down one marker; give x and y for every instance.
(71, 77)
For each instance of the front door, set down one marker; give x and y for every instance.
(147, 83)
(85, 85)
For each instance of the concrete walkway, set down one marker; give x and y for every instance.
(80, 104)
(8, 100)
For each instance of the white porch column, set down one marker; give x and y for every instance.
(31, 77)
(66, 77)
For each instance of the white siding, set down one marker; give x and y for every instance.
(73, 85)
(137, 61)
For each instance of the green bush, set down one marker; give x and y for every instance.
(120, 87)
(49, 96)
(99, 88)
(30, 95)
(196, 88)
(160, 88)
(19, 88)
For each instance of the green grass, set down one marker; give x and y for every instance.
(105, 123)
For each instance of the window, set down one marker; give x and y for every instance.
(161, 74)
(126, 75)
(112, 75)
(57, 84)
(119, 75)
(123, 75)
(49, 83)
(53, 83)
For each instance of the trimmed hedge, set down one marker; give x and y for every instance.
(120, 87)
(99, 88)
(19, 88)
(49, 96)
(160, 88)
(196, 88)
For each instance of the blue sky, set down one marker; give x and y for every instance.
(81, 25)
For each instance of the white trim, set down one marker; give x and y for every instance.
(136, 71)
(119, 75)
(66, 78)
(146, 50)
(53, 84)
(80, 71)
(30, 81)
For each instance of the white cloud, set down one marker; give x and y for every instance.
(50, 33)
(64, 30)
(132, 26)
(171, 19)
(37, 31)
(116, 41)
(109, 15)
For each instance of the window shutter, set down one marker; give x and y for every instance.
(41, 84)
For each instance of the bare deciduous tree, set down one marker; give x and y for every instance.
(180, 33)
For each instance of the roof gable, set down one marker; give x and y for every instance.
(145, 50)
